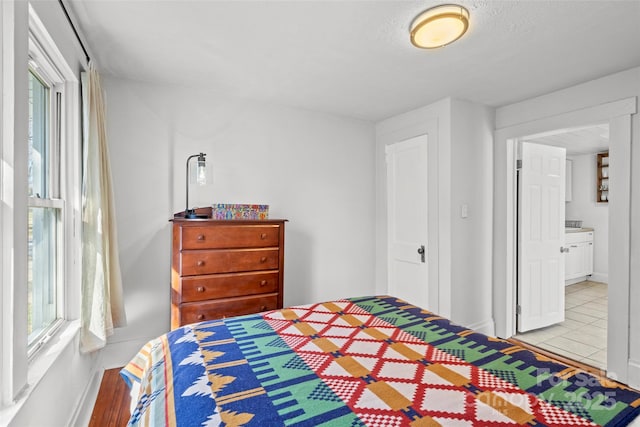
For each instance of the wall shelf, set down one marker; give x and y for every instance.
(602, 171)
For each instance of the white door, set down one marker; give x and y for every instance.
(407, 220)
(541, 236)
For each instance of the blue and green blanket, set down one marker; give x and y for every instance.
(367, 361)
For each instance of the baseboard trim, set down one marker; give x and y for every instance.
(576, 280)
(118, 354)
(114, 355)
(595, 277)
(634, 374)
(599, 277)
(82, 414)
(486, 327)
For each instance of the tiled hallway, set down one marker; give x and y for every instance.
(583, 334)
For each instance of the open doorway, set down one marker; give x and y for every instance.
(581, 333)
(618, 114)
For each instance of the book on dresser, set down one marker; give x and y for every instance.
(223, 268)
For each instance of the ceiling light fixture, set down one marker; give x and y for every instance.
(439, 26)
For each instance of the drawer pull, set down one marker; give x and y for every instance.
(263, 308)
(200, 237)
(263, 259)
(200, 289)
(200, 263)
(200, 317)
(263, 236)
(263, 283)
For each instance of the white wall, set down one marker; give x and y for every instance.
(63, 397)
(597, 100)
(460, 173)
(583, 207)
(471, 172)
(434, 121)
(315, 170)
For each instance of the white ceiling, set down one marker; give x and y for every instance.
(580, 140)
(353, 57)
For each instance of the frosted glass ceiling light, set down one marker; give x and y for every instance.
(439, 26)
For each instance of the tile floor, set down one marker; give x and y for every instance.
(583, 334)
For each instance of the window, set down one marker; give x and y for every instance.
(40, 203)
(45, 258)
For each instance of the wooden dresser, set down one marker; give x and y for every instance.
(225, 268)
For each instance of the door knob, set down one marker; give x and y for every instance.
(421, 252)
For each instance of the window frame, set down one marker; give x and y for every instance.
(20, 374)
(45, 69)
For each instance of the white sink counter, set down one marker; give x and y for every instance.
(577, 230)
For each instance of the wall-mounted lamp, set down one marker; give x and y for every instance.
(201, 179)
(439, 26)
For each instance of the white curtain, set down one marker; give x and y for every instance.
(102, 302)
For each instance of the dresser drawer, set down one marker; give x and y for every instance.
(200, 311)
(230, 236)
(222, 268)
(228, 285)
(228, 261)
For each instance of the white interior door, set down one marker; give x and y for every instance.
(541, 236)
(407, 220)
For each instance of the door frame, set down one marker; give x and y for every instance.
(390, 151)
(618, 115)
(425, 121)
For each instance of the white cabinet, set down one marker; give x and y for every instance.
(578, 261)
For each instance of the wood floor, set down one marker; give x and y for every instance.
(112, 405)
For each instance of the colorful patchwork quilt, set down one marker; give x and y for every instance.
(368, 361)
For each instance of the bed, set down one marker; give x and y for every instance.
(366, 361)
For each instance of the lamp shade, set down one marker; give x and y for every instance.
(201, 178)
(439, 26)
(201, 171)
